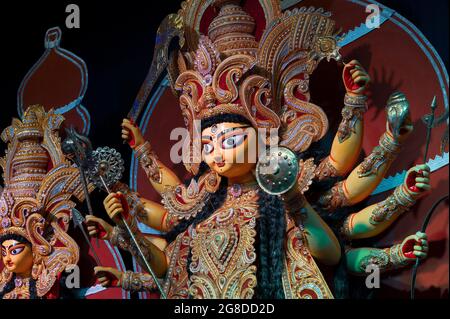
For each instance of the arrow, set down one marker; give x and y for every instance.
(429, 122)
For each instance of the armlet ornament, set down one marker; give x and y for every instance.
(347, 227)
(334, 198)
(377, 257)
(326, 170)
(355, 107)
(386, 151)
(136, 282)
(397, 203)
(169, 221)
(148, 160)
(386, 259)
(121, 238)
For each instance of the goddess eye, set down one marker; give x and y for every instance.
(3, 253)
(207, 148)
(17, 250)
(233, 141)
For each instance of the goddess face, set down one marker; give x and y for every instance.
(230, 148)
(17, 257)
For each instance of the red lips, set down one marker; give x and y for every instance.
(222, 164)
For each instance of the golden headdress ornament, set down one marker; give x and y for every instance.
(264, 79)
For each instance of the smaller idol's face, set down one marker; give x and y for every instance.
(230, 148)
(17, 257)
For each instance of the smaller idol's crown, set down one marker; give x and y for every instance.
(31, 126)
(30, 162)
(232, 30)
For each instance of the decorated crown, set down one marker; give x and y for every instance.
(36, 201)
(266, 80)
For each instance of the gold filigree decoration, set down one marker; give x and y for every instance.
(223, 251)
(306, 174)
(303, 122)
(302, 278)
(177, 282)
(186, 202)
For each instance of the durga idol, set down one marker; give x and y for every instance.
(224, 235)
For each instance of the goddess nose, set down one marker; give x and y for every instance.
(218, 158)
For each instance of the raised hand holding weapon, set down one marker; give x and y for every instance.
(108, 171)
(78, 221)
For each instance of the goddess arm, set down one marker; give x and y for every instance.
(361, 182)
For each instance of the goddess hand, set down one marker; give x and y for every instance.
(108, 276)
(98, 228)
(415, 246)
(399, 124)
(116, 205)
(132, 134)
(356, 79)
(417, 180)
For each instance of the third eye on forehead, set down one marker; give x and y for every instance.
(208, 137)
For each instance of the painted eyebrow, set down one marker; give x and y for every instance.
(229, 130)
(12, 245)
(207, 137)
(225, 132)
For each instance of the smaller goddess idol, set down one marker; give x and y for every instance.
(17, 257)
(35, 208)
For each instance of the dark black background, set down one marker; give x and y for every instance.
(116, 42)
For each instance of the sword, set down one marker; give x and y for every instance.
(170, 28)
